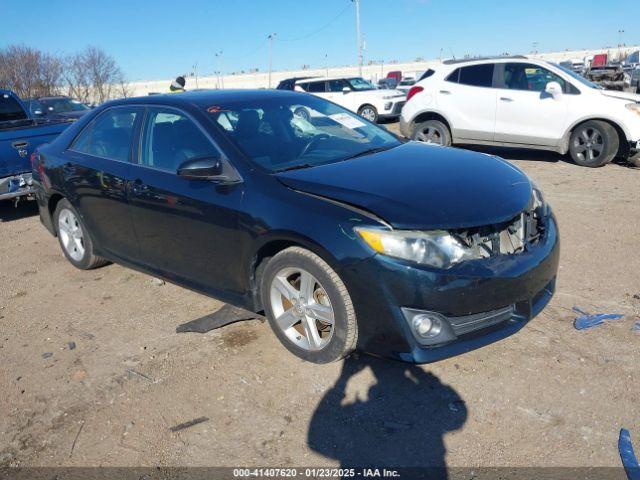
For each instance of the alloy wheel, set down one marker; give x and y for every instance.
(368, 113)
(71, 235)
(589, 144)
(302, 309)
(430, 135)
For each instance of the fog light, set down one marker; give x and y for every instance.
(426, 326)
(388, 105)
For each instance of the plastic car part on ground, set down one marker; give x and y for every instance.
(627, 455)
(586, 320)
(226, 315)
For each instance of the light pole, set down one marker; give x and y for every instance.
(326, 64)
(219, 58)
(270, 37)
(620, 33)
(357, 4)
(195, 72)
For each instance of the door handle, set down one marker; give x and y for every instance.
(445, 92)
(19, 144)
(137, 187)
(506, 99)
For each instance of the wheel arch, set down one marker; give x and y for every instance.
(623, 135)
(270, 247)
(52, 203)
(426, 115)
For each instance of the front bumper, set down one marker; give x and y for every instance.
(380, 287)
(394, 111)
(16, 186)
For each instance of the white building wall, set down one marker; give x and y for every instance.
(372, 72)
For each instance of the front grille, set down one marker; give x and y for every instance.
(507, 238)
(478, 321)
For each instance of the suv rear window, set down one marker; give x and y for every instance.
(10, 109)
(473, 75)
(426, 74)
(314, 87)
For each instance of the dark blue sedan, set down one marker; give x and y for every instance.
(280, 202)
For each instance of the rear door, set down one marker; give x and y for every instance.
(187, 229)
(95, 177)
(526, 114)
(468, 100)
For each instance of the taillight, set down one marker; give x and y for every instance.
(415, 89)
(33, 158)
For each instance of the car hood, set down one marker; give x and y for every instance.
(621, 95)
(417, 186)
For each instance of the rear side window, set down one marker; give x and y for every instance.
(314, 87)
(426, 74)
(477, 75)
(171, 138)
(109, 135)
(10, 109)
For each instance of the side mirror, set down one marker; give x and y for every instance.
(554, 89)
(346, 90)
(201, 168)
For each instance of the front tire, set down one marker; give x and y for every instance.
(74, 238)
(594, 144)
(432, 131)
(308, 306)
(368, 112)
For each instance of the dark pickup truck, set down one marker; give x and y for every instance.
(20, 135)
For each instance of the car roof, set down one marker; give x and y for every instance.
(484, 59)
(204, 98)
(320, 79)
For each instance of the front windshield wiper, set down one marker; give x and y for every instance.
(296, 167)
(369, 151)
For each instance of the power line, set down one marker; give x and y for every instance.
(314, 32)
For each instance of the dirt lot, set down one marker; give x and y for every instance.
(549, 395)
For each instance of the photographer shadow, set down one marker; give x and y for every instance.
(401, 422)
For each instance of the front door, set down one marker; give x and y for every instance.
(187, 229)
(526, 114)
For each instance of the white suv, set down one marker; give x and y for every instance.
(522, 102)
(355, 94)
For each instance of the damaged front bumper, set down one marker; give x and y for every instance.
(16, 186)
(478, 302)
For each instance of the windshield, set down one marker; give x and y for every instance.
(62, 105)
(297, 131)
(360, 84)
(579, 78)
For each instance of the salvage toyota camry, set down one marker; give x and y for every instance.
(280, 202)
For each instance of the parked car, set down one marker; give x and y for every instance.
(406, 84)
(387, 84)
(522, 102)
(20, 135)
(356, 94)
(632, 67)
(57, 108)
(344, 235)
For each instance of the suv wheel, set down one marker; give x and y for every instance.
(432, 131)
(594, 143)
(369, 112)
(308, 306)
(74, 239)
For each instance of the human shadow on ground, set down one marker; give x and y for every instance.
(401, 422)
(9, 211)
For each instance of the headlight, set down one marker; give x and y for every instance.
(538, 200)
(436, 248)
(634, 107)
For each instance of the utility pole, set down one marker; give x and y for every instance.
(357, 3)
(195, 72)
(326, 63)
(270, 37)
(219, 58)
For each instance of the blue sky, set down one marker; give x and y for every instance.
(163, 38)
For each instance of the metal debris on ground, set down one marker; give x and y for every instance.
(586, 320)
(226, 315)
(189, 424)
(71, 345)
(47, 355)
(142, 375)
(627, 455)
(636, 327)
(157, 281)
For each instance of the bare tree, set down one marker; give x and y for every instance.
(93, 76)
(20, 69)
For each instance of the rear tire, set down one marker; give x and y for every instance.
(594, 143)
(308, 306)
(368, 112)
(74, 238)
(432, 131)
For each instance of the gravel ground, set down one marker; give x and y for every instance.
(548, 396)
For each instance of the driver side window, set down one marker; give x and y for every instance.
(171, 138)
(526, 76)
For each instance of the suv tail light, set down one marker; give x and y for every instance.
(415, 89)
